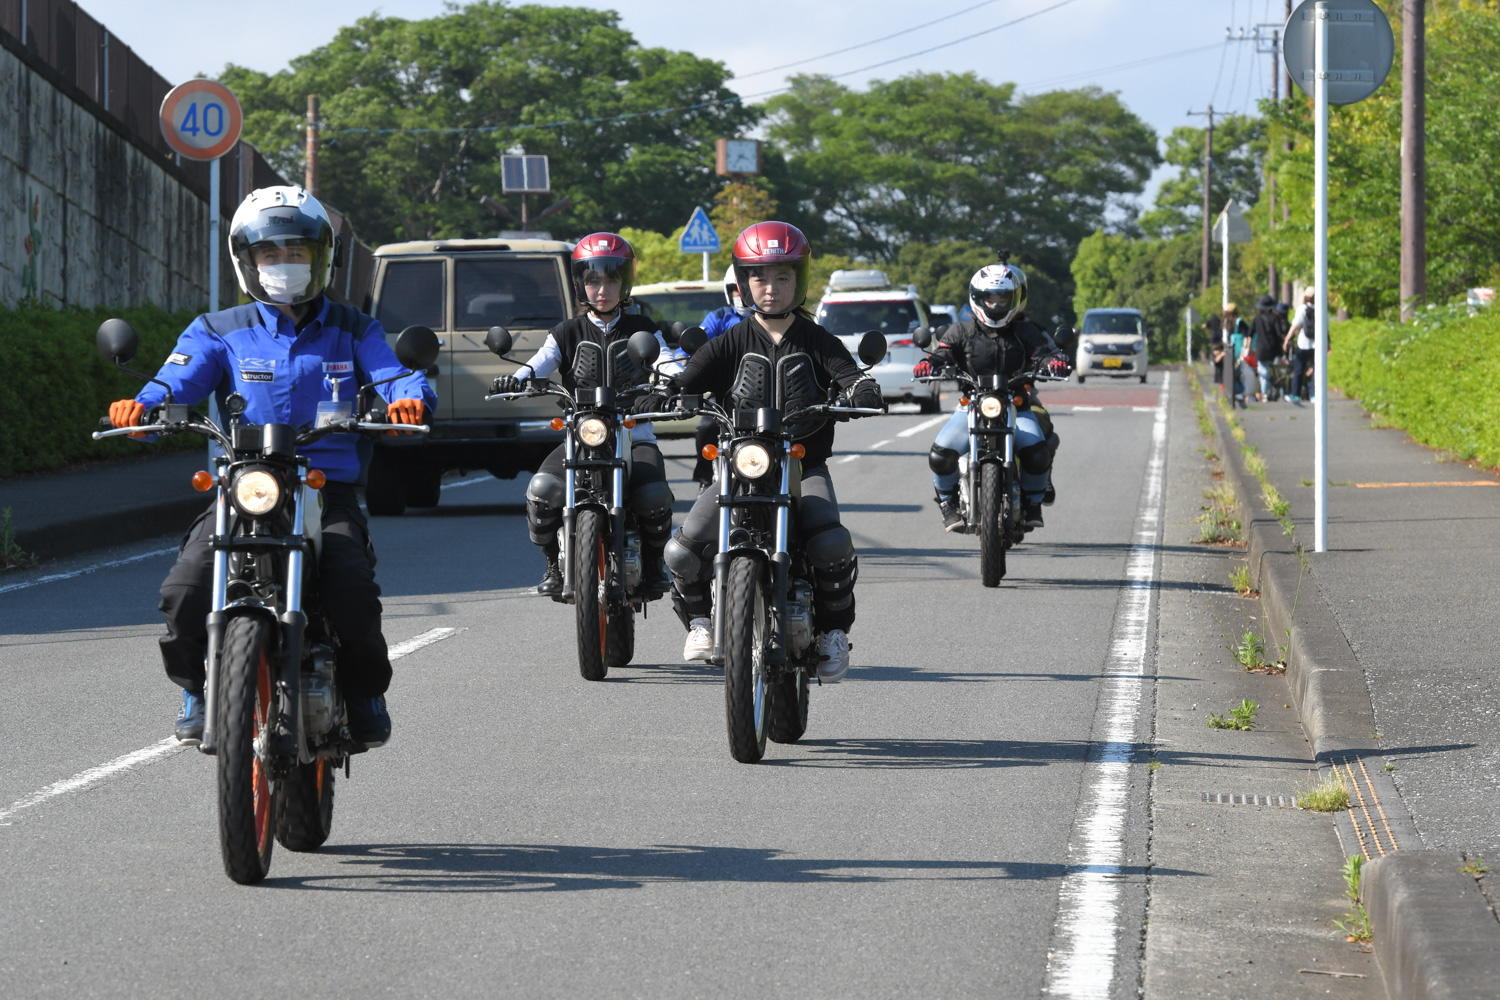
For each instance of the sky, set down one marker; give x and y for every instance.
(1165, 58)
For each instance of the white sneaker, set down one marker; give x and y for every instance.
(833, 647)
(700, 640)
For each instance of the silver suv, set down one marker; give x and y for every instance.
(461, 288)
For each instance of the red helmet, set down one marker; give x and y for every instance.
(605, 253)
(767, 243)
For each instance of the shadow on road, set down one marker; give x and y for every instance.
(567, 867)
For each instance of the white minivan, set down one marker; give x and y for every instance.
(1112, 342)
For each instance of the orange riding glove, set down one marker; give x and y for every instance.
(405, 411)
(127, 413)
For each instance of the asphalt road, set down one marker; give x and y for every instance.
(970, 801)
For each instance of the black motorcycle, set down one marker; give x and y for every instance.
(274, 718)
(599, 542)
(763, 594)
(989, 494)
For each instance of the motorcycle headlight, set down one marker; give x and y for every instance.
(592, 431)
(752, 460)
(256, 492)
(991, 407)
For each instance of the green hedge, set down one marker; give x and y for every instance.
(1436, 378)
(57, 386)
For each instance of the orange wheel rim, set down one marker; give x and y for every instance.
(260, 783)
(603, 605)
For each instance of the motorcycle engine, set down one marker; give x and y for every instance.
(319, 697)
(798, 621)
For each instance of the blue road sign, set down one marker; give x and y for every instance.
(700, 235)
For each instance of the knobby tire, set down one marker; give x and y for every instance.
(743, 606)
(248, 799)
(590, 571)
(991, 531)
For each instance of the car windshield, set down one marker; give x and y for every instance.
(1111, 323)
(680, 307)
(897, 316)
(506, 291)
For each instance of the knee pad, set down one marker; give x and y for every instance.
(686, 559)
(943, 461)
(652, 504)
(830, 555)
(1036, 458)
(544, 500)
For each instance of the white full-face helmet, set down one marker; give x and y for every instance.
(732, 289)
(282, 217)
(997, 294)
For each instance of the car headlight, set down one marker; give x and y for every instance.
(593, 431)
(256, 492)
(991, 407)
(752, 461)
(1138, 346)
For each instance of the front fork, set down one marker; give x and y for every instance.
(616, 509)
(780, 563)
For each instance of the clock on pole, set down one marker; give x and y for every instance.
(738, 156)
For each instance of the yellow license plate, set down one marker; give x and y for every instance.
(1113, 362)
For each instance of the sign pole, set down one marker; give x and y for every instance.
(1320, 278)
(705, 267)
(213, 235)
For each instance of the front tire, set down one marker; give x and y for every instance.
(423, 486)
(932, 404)
(248, 799)
(307, 806)
(1082, 379)
(590, 572)
(789, 704)
(991, 533)
(746, 693)
(619, 643)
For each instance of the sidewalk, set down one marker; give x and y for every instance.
(1390, 648)
(111, 503)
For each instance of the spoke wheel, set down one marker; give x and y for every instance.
(307, 806)
(991, 531)
(248, 798)
(789, 703)
(590, 574)
(746, 691)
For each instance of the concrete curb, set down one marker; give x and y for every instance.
(115, 527)
(1435, 934)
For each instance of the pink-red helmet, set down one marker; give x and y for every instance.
(767, 243)
(605, 253)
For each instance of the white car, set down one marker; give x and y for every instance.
(892, 312)
(1112, 342)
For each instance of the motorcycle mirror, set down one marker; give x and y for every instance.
(872, 347)
(644, 347)
(498, 340)
(921, 336)
(117, 341)
(417, 348)
(692, 339)
(234, 404)
(672, 333)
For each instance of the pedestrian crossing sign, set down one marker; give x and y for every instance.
(700, 235)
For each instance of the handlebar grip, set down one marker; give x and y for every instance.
(106, 424)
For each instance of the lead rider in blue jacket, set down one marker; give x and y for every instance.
(286, 352)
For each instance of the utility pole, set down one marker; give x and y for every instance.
(310, 180)
(1267, 39)
(1286, 209)
(1413, 157)
(1208, 178)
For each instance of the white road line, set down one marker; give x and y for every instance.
(881, 444)
(919, 428)
(1082, 961)
(1088, 409)
(170, 746)
(846, 458)
(94, 568)
(1144, 409)
(470, 482)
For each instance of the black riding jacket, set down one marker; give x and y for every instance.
(579, 329)
(985, 350)
(714, 367)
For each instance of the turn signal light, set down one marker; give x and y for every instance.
(1018, 399)
(316, 479)
(710, 452)
(963, 400)
(798, 451)
(202, 481)
(556, 424)
(629, 421)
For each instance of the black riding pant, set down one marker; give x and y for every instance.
(346, 592)
(647, 496)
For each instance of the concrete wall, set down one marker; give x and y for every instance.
(86, 217)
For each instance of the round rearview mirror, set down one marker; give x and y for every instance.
(921, 336)
(498, 340)
(872, 348)
(644, 347)
(117, 341)
(672, 333)
(692, 339)
(417, 348)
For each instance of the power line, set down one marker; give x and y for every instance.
(861, 45)
(1086, 74)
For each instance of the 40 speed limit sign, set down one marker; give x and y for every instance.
(201, 119)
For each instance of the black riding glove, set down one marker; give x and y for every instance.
(508, 383)
(866, 395)
(651, 402)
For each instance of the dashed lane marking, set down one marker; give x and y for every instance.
(169, 746)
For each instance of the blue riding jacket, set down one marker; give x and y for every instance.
(284, 373)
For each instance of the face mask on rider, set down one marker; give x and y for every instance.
(284, 282)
